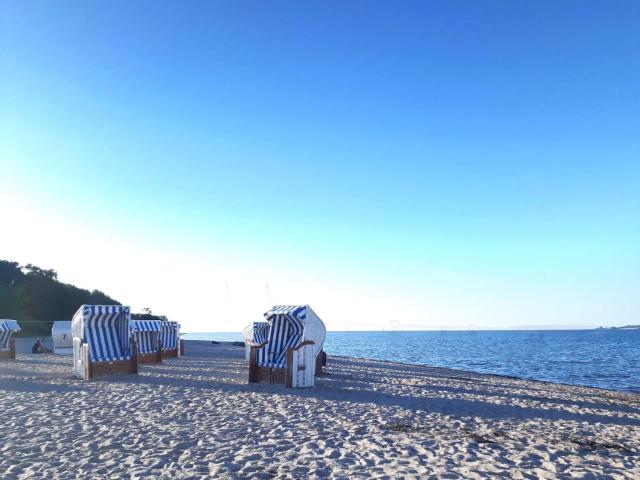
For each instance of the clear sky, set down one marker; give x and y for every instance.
(393, 164)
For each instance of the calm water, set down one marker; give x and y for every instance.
(599, 358)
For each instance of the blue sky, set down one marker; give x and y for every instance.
(393, 164)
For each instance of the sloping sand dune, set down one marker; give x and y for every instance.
(196, 417)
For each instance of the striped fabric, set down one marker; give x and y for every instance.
(7, 327)
(286, 327)
(260, 331)
(145, 325)
(169, 335)
(146, 333)
(5, 336)
(260, 334)
(106, 330)
(297, 311)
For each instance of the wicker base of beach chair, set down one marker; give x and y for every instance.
(272, 375)
(112, 368)
(173, 352)
(169, 353)
(150, 357)
(116, 367)
(321, 361)
(9, 354)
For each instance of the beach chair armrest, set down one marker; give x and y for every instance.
(258, 345)
(303, 344)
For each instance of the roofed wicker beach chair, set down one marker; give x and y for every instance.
(147, 336)
(254, 333)
(7, 343)
(102, 344)
(291, 351)
(170, 342)
(62, 338)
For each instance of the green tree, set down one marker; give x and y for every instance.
(14, 302)
(35, 296)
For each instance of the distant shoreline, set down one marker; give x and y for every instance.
(626, 327)
(540, 329)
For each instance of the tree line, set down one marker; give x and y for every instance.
(36, 298)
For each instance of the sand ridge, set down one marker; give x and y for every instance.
(196, 417)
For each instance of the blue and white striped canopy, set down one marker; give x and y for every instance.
(106, 330)
(9, 326)
(298, 312)
(145, 325)
(99, 311)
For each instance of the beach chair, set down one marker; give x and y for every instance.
(171, 345)
(290, 353)
(102, 344)
(61, 337)
(147, 337)
(7, 343)
(254, 333)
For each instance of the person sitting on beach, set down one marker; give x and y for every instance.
(39, 347)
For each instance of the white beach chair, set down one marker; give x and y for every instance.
(291, 351)
(102, 343)
(7, 343)
(62, 338)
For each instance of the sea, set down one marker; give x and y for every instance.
(605, 358)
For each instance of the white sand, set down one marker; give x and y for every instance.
(196, 417)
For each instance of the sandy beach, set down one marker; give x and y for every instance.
(196, 417)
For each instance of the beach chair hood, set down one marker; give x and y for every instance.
(7, 328)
